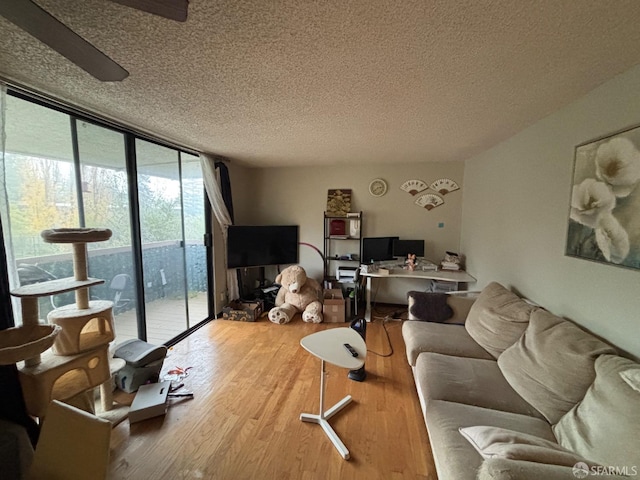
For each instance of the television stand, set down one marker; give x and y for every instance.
(262, 281)
(267, 295)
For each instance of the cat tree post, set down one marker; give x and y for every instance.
(80, 272)
(30, 316)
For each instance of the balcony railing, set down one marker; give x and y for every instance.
(164, 286)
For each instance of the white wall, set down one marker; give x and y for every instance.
(298, 195)
(516, 204)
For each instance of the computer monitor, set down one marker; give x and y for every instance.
(377, 249)
(402, 248)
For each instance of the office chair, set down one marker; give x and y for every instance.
(121, 283)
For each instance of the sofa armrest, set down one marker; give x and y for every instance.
(505, 469)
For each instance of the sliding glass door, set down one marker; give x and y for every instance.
(172, 230)
(66, 171)
(105, 203)
(163, 254)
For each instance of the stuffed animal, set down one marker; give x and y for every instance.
(411, 262)
(297, 294)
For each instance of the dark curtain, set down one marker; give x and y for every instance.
(225, 188)
(12, 407)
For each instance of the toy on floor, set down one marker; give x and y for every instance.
(298, 293)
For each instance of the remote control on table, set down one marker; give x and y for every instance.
(351, 350)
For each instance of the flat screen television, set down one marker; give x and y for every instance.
(402, 248)
(259, 246)
(377, 249)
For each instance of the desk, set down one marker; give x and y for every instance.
(328, 345)
(458, 276)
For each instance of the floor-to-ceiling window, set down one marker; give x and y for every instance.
(66, 171)
(103, 184)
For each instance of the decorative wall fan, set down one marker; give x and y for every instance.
(413, 186)
(39, 23)
(429, 201)
(444, 186)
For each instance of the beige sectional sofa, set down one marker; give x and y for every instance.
(510, 391)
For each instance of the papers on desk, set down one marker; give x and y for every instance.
(450, 265)
(428, 267)
(368, 268)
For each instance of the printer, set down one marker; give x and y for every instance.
(346, 274)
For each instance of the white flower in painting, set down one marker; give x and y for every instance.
(612, 239)
(618, 164)
(589, 200)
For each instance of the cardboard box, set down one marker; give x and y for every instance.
(243, 311)
(333, 308)
(150, 401)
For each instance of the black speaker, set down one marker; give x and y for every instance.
(360, 326)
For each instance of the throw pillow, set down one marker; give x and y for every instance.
(605, 424)
(551, 365)
(632, 377)
(429, 306)
(492, 442)
(497, 318)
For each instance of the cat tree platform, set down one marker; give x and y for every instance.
(29, 294)
(62, 377)
(19, 343)
(82, 329)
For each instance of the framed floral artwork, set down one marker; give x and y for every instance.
(604, 216)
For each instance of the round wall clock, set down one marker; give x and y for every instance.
(377, 187)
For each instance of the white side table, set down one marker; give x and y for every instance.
(328, 346)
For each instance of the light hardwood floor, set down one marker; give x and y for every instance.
(251, 382)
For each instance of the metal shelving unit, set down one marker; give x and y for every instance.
(342, 242)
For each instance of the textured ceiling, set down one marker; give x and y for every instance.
(271, 83)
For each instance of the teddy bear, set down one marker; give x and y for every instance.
(297, 293)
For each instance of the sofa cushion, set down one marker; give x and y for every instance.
(454, 457)
(470, 381)
(497, 318)
(605, 424)
(492, 442)
(551, 365)
(506, 469)
(440, 338)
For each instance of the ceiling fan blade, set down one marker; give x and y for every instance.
(171, 9)
(49, 30)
